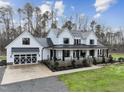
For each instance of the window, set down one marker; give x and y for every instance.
(92, 52)
(74, 53)
(82, 53)
(67, 53)
(26, 41)
(66, 40)
(77, 41)
(91, 42)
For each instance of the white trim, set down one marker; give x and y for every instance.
(26, 62)
(20, 36)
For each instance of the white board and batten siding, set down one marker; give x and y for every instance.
(91, 36)
(65, 34)
(17, 43)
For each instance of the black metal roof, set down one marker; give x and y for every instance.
(25, 49)
(49, 41)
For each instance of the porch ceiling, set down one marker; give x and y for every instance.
(80, 47)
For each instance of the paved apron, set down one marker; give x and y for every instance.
(28, 72)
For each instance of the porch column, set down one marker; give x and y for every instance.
(96, 52)
(71, 54)
(107, 52)
(103, 52)
(87, 53)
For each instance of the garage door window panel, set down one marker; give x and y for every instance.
(29, 58)
(34, 58)
(16, 59)
(23, 59)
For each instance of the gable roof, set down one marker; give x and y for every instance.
(74, 33)
(25, 32)
(56, 31)
(81, 34)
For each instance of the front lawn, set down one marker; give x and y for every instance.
(109, 78)
(2, 57)
(117, 55)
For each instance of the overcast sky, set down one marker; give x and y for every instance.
(109, 12)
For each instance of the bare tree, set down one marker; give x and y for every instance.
(28, 12)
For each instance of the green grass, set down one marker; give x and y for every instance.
(117, 55)
(2, 57)
(109, 78)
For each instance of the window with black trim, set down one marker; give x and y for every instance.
(26, 41)
(91, 42)
(77, 41)
(67, 53)
(66, 40)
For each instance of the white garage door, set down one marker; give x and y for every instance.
(25, 58)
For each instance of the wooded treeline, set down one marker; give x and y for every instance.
(32, 19)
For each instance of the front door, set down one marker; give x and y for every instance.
(92, 53)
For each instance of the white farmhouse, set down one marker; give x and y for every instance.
(63, 45)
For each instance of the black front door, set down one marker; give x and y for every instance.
(92, 53)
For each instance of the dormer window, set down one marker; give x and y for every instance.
(91, 42)
(66, 40)
(77, 41)
(26, 41)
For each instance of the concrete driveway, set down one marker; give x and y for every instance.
(49, 84)
(28, 72)
(25, 72)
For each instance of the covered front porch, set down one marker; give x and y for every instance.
(76, 54)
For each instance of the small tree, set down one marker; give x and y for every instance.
(86, 63)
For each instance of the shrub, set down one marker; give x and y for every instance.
(86, 63)
(56, 64)
(73, 63)
(123, 59)
(120, 59)
(94, 61)
(99, 60)
(103, 59)
(3, 63)
(110, 59)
